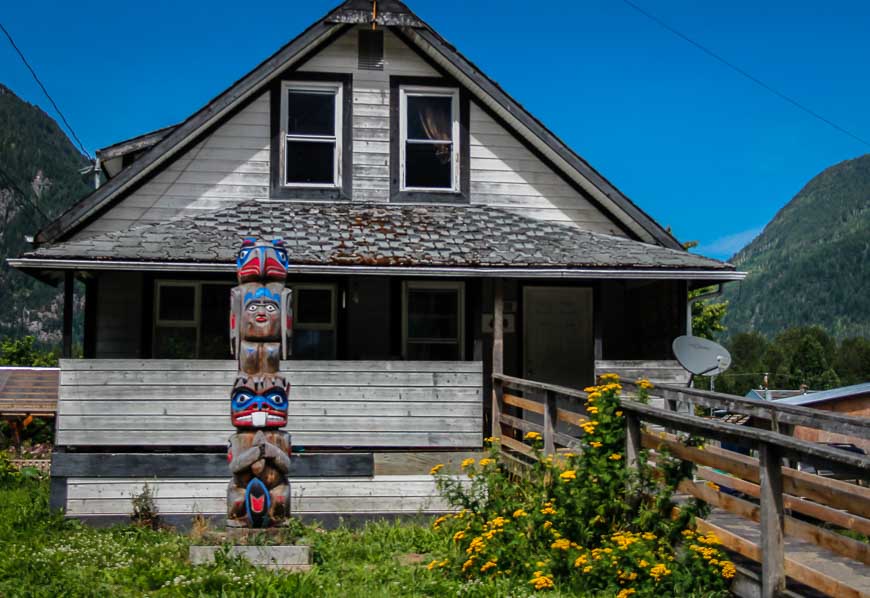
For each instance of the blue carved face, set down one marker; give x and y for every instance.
(259, 402)
(262, 261)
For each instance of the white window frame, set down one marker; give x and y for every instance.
(335, 87)
(460, 310)
(197, 309)
(331, 325)
(415, 90)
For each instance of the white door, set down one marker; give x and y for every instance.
(558, 335)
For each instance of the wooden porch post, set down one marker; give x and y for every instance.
(497, 352)
(772, 547)
(68, 278)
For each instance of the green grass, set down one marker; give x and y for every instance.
(44, 555)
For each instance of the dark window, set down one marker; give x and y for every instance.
(214, 322)
(177, 303)
(433, 324)
(429, 142)
(192, 320)
(311, 139)
(314, 334)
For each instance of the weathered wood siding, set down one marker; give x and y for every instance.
(232, 164)
(119, 313)
(228, 166)
(371, 106)
(208, 496)
(333, 403)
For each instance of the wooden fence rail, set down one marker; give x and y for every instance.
(765, 478)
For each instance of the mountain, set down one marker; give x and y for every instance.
(811, 264)
(36, 159)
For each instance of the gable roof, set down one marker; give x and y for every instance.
(355, 234)
(821, 396)
(419, 36)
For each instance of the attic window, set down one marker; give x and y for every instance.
(429, 139)
(371, 50)
(311, 134)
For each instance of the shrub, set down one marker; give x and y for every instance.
(580, 522)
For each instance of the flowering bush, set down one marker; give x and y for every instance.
(579, 522)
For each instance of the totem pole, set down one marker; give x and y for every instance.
(261, 325)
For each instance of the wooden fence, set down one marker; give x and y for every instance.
(769, 487)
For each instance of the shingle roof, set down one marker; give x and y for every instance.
(821, 396)
(378, 235)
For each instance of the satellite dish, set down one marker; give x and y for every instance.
(700, 356)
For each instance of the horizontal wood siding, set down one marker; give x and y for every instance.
(207, 496)
(119, 311)
(333, 404)
(229, 166)
(371, 106)
(505, 174)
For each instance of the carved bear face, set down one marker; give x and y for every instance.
(259, 401)
(260, 261)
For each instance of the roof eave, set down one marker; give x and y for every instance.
(25, 263)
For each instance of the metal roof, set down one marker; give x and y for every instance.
(359, 234)
(821, 396)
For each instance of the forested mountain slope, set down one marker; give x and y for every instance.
(811, 264)
(37, 159)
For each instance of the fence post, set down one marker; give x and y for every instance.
(632, 440)
(549, 422)
(497, 403)
(772, 547)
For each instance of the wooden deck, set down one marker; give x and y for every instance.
(28, 391)
(782, 518)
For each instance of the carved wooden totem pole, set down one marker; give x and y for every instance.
(261, 324)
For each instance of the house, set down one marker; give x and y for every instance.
(416, 199)
(846, 400)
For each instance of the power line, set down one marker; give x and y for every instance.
(739, 70)
(27, 202)
(45, 91)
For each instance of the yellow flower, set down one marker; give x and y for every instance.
(561, 544)
(568, 475)
(477, 545)
(625, 592)
(569, 455)
(728, 569)
(645, 384)
(533, 436)
(458, 536)
(659, 571)
(592, 409)
(487, 565)
(587, 568)
(713, 486)
(519, 513)
(607, 378)
(615, 457)
(643, 564)
(649, 536)
(619, 414)
(548, 510)
(687, 533)
(439, 521)
(541, 581)
(485, 462)
(590, 389)
(467, 463)
(436, 469)
(467, 564)
(492, 439)
(432, 565)
(498, 522)
(595, 444)
(548, 524)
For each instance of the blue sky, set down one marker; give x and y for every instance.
(696, 145)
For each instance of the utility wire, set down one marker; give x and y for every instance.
(27, 202)
(45, 91)
(739, 70)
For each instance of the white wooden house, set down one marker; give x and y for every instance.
(416, 197)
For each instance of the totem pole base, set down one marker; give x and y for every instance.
(285, 558)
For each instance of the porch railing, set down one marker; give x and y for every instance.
(765, 479)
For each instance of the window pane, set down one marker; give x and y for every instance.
(428, 165)
(310, 162)
(313, 344)
(311, 113)
(214, 335)
(433, 314)
(313, 306)
(177, 303)
(175, 343)
(433, 351)
(430, 117)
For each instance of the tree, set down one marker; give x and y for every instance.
(852, 363)
(706, 315)
(21, 352)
